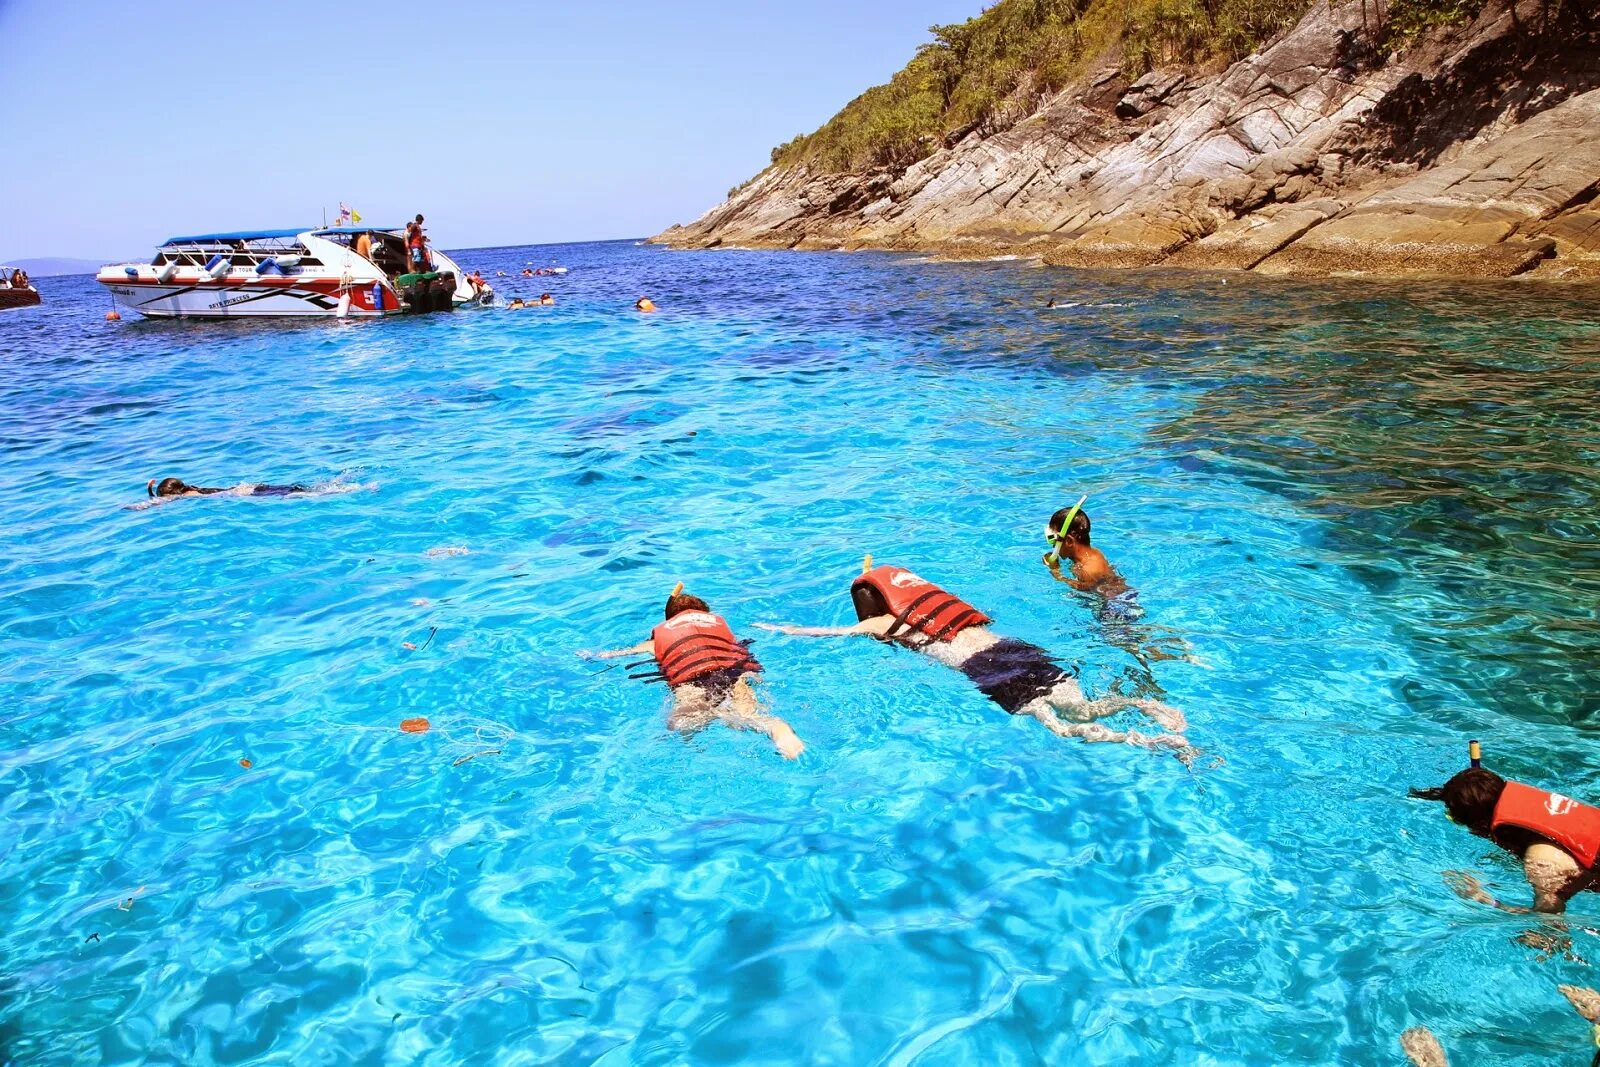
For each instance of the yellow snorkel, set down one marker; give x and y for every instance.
(866, 563)
(1475, 753)
(1060, 537)
(676, 589)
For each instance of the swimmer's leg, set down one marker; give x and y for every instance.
(742, 712)
(1094, 732)
(691, 710)
(1067, 698)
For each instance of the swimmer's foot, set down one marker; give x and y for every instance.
(789, 746)
(1177, 742)
(1165, 716)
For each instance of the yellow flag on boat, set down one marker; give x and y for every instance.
(355, 216)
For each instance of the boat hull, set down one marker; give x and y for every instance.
(18, 298)
(248, 298)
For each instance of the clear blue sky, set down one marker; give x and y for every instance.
(127, 123)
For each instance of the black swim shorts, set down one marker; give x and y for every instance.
(1012, 673)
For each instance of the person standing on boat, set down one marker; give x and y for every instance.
(709, 672)
(897, 606)
(416, 244)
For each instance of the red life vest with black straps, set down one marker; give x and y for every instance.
(1573, 826)
(916, 604)
(693, 644)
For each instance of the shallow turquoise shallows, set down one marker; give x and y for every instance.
(1368, 510)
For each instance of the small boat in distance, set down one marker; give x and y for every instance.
(272, 273)
(16, 291)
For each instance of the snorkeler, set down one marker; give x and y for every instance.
(644, 303)
(1068, 530)
(1556, 837)
(546, 300)
(1116, 604)
(709, 672)
(895, 605)
(175, 487)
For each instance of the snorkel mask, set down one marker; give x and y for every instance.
(1058, 538)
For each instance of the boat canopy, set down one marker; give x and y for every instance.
(326, 230)
(242, 235)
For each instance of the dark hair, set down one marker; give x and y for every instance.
(544, 295)
(867, 600)
(1080, 525)
(170, 487)
(1470, 797)
(681, 602)
(419, 218)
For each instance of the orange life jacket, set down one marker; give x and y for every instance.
(1573, 826)
(693, 644)
(916, 604)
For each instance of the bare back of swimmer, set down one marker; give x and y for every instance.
(897, 606)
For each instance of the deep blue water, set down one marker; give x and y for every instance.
(1368, 508)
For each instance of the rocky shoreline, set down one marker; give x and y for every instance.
(1476, 153)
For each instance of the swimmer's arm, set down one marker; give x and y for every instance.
(1055, 572)
(1548, 898)
(615, 653)
(780, 733)
(876, 626)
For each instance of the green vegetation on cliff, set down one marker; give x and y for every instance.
(991, 71)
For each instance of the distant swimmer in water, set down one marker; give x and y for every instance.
(527, 272)
(895, 605)
(1117, 607)
(546, 300)
(709, 672)
(170, 488)
(516, 302)
(644, 303)
(1556, 837)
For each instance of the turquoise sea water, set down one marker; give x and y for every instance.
(1368, 508)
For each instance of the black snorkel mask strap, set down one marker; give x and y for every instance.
(150, 488)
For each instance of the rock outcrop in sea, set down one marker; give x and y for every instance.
(1475, 152)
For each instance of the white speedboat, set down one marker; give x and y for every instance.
(334, 271)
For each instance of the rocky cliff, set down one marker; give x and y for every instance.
(1474, 152)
